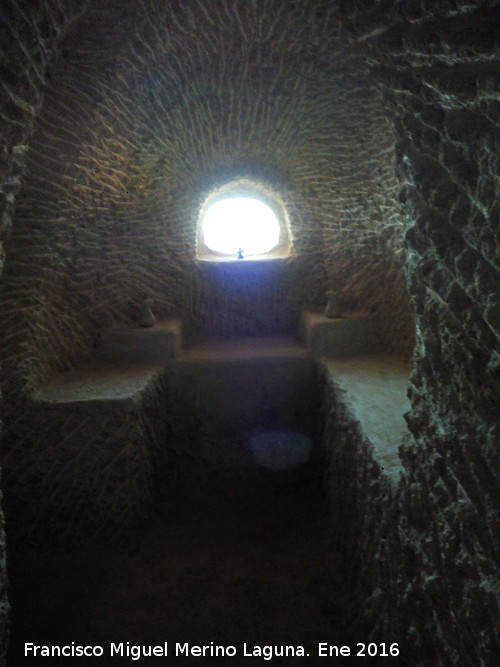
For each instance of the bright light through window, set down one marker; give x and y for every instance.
(240, 223)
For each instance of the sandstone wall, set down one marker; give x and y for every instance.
(438, 68)
(28, 37)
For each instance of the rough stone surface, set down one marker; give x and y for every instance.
(378, 125)
(361, 498)
(91, 468)
(28, 36)
(443, 96)
(338, 337)
(372, 388)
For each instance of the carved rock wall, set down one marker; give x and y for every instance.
(364, 517)
(443, 546)
(28, 37)
(145, 111)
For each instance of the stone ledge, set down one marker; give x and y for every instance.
(126, 361)
(262, 347)
(373, 390)
(92, 443)
(337, 337)
(85, 471)
(364, 401)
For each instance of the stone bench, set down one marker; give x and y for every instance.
(93, 441)
(349, 335)
(124, 364)
(364, 402)
(373, 391)
(370, 386)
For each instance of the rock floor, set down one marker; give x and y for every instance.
(223, 562)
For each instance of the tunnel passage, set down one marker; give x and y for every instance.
(119, 117)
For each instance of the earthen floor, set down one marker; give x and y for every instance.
(225, 562)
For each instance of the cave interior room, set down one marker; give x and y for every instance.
(250, 324)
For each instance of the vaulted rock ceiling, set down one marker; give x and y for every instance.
(147, 108)
(377, 122)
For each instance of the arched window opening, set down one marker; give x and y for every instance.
(242, 220)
